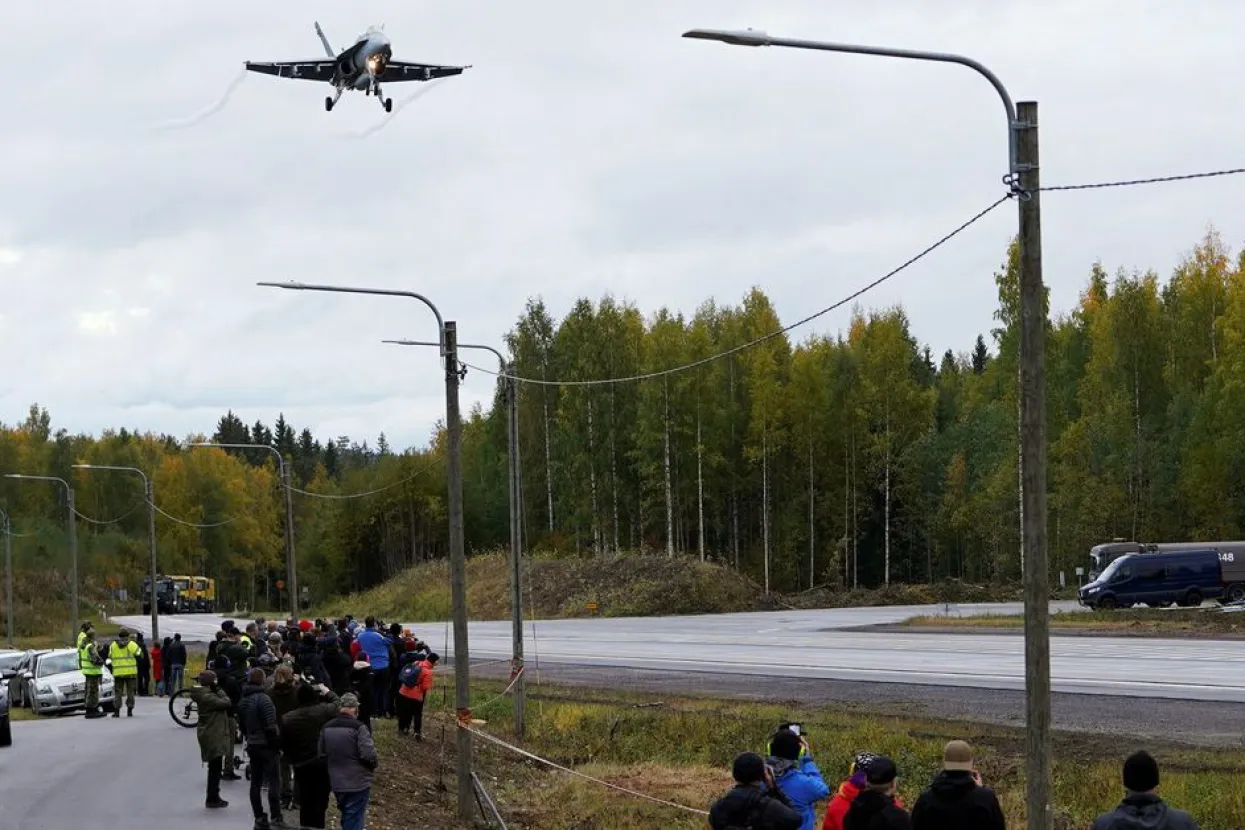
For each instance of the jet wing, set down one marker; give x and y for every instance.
(312, 70)
(403, 71)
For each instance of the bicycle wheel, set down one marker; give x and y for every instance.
(184, 710)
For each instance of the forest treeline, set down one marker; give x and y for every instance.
(858, 459)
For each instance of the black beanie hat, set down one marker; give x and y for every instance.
(306, 694)
(749, 768)
(785, 744)
(1141, 772)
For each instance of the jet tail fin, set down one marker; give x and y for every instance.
(327, 48)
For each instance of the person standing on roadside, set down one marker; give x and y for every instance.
(350, 755)
(300, 746)
(176, 658)
(157, 668)
(415, 681)
(258, 718)
(124, 656)
(754, 802)
(956, 799)
(91, 664)
(215, 733)
(1142, 807)
(372, 643)
(848, 790)
(875, 807)
(144, 666)
(796, 775)
(82, 632)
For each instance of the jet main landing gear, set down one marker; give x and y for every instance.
(332, 100)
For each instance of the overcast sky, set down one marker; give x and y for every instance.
(589, 150)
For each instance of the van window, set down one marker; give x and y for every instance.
(1123, 573)
(1150, 571)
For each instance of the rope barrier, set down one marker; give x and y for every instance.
(576, 773)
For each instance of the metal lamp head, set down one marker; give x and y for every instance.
(735, 37)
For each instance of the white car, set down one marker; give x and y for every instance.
(55, 684)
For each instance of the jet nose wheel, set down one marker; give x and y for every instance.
(328, 104)
(388, 105)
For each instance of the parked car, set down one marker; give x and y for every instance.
(55, 684)
(16, 677)
(9, 658)
(6, 730)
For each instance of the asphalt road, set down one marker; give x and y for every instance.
(140, 773)
(820, 645)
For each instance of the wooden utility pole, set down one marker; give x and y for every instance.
(458, 570)
(516, 551)
(1033, 475)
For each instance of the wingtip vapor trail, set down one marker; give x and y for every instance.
(211, 109)
(401, 105)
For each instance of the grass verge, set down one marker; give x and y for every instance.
(1124, 622)
(622, 585)
(680, 749)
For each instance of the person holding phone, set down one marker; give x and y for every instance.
(957, 798)
(797, 775)
(755, 802)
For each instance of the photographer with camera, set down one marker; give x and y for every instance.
(755, 803)
(795, 773)
(300, 738)
(214, 731)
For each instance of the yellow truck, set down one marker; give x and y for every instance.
(183, 594)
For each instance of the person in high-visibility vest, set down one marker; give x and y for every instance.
(82, 631)
(124, 655)
(92, 667)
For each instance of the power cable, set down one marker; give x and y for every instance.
(123, 516)
(344, 496)
(173, 518)
(758, 341)
(766, 337)
(1153, 180)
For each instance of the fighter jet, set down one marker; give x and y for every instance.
(362, 67)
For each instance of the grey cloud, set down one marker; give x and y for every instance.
(583, 154)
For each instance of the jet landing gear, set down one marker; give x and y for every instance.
(331, 100)
(387, 103)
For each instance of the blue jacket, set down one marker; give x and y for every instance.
(377, 650)
(801, 782)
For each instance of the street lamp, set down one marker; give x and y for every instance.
(73, 540)
(447, 338)
(8, 577)
(291, 575)
(150, 495)
(1024, 181)
(516, 541)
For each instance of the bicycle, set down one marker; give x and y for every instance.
(183, 709)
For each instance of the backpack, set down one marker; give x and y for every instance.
(410, 674)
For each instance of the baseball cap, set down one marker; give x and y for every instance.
(957, 756)
(882, 770)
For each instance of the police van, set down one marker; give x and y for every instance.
(1163, 577)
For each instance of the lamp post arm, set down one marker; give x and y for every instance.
(500, 358)
(273, 450)
(384, 292)
(755, 38)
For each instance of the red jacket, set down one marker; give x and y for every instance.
(841, 802)
(157, 664)
(422, 687)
